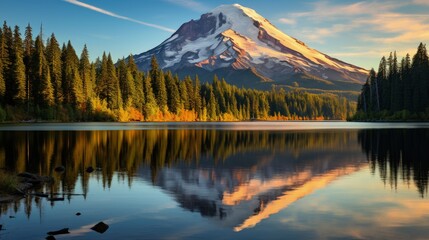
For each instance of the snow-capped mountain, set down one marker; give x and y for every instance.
(243, 47)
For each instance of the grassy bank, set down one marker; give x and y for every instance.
(8, 183)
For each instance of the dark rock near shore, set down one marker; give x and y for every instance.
(90, 169)
(100, 227)
(60, 169)
(62, 231)
(29, 180)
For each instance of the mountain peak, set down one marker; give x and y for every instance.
(234, 12)
(233, 38)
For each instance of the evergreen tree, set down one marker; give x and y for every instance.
(114, 100)
(2, 80)
(85, 74)
(138, 96)
(126, 83)
(6, 54)
(53, 57)
(28, 52)
(172, 93)
(197, 97)
(17, 77)
(150, 108)
(184, 97)
(420, 71)
(407, 83)
(158, 84)
(374, 101)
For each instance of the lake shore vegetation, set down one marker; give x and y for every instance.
(41, 81)
(399, 91)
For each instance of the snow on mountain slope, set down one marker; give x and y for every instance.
(233, 37)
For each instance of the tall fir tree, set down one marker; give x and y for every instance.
(114, 100)
(85, 74)
(126, 83)
(173, 94)
(17, 80)
(150, 107)
(53, 57)
(2, 80)
(28, 53)
(420, 76)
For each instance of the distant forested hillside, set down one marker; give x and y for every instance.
(398, 91)
(39, 80)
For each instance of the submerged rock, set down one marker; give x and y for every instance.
(62, 231)
(60, 169)
(100, 227)
(90, 169)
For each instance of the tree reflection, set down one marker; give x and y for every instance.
(398, 154)
(122, 153)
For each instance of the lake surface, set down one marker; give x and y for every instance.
(254, 180)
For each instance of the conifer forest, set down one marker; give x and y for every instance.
(41, 80)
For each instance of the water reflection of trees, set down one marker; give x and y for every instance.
(124, 151)
(398, 154)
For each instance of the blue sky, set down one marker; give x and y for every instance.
(358, 32)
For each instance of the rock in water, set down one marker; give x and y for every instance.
(100, 227)
(78, 214)
(90, 170)
(62, 231)
(50, 237)
(1, 227)
(60, 169)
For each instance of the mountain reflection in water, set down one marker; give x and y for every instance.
(234, 178)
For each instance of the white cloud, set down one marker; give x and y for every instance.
(287, 21)
(100, 10)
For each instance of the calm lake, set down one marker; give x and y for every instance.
(252, 180)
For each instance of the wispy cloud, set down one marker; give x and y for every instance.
(287, 21)
(190, 4)
(372, 21)
(421, 2)
(103, 11)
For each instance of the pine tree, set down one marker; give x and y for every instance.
(114, 100)
(184, 97)
(407, 83)
(53, 57)
(126, 83)
(17, 80)
(28, 52)
(85, 74)
(172, 93)
(381, 83)
(420, 76)
(72, 82)
(374, 98)
(197, 96)
(150, 108)
(158, 84)
(212, 106)
(6, 55)
(2, 80)
(138, 97)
